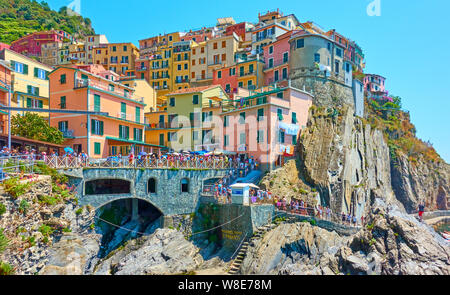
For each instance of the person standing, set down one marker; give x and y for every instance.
(421, 210)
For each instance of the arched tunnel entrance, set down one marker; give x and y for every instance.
(125, 219)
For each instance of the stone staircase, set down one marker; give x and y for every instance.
(236, 264)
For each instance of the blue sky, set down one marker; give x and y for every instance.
(408, 43)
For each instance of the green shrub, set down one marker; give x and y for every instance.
(79, 211)
(46, 230)
(2, 209)
(3, 241)
(49, 200)
(66, 230)
(14, 188)
(23, 207)
(6, 269)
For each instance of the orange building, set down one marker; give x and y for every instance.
(119, 131)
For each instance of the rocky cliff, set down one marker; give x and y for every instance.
(392, 243)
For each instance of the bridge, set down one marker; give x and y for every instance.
(171, 191)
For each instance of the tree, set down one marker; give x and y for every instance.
(35, 127)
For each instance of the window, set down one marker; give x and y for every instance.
(250, 68)
(97, 127)
(151, 186)
(63, 126)
(294, 118)
(179, 67)
(172, 101)
(96, 103)
(195, 99)
(285, 74)
(124, 132)
(215, 45)
(62, 103)
(294, 139)
(186, 66)
(137, 134)
(123, 110)
(275, 76)
(219, 74)
(260, 136)
(280, 114)
(242, 118)
(347, 68)
(270, 62)
(226, 121)
(126, 93)
(339, 52)
(224, 57)
(41, 74)
(300, 43)
(33, 90)
(62, 79)
(97, 148)
(226, 140)
(260, 114)
(138, 114)
(114, 48)
(111, 87)
(242, 139)
(224, 44)
(270, 49)
(281, 136)
(285, 57)
(317, 57)
(232, 71)
(185, 184)
(241, 84)
(336, 69)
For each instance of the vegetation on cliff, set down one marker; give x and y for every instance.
(21, 17)
(400, 133)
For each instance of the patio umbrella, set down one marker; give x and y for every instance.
(143, 154)
(68, 150)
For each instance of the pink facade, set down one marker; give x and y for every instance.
(276, 57)
(374, 83)
(227, 78)
(267, 125)
(30, 45)
(239, 29)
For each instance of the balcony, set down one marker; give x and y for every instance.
(141, 69)
(276, 63)
(156, 126)
(68, 133)
(161, 87)
(215, 63)
(182, 81)
(80, 83)
(201, 78)
(243, 74)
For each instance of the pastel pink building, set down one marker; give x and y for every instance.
(227, 78)
(266, 125)
(30, 45)
(375, 83)
(276, 57)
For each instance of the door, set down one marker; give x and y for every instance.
(161, 139)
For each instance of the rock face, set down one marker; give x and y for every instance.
(393, 243)
(414, 182)
(164, 252)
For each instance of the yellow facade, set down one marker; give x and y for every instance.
(157, 128)
(190, 115)
(142, 89)
(250, 74)
(30, 81)
(117, 57)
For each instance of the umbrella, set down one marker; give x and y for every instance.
(143, 154)
(68, 150)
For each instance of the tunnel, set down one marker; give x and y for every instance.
(125, 219)
(107, 187)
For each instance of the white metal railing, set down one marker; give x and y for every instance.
(147, 163)
(14, 165)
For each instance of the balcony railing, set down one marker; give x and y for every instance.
(215, 62)
(182, 81)
(159, 125)
(276, 63)
(141, 68)
(161, 87)
(242, 74)
(68, 133)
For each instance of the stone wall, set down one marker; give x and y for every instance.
(327, 92)
(168, 197)
(244, 226)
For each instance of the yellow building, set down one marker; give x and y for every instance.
(117, 57)
(29, 80)
(250, 73)
(191, 116)
(142, 89)
(157, 128)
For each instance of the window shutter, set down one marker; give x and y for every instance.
(46, 75)
(37, 91)
(36, 72)
(28, 88)
(92, 126)
(96, 103)
(13, 65)
(203, 116)
(120, 131)
(101, 127)
(127, 132)
(28, 102)
(40, 104)
(25, 69)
